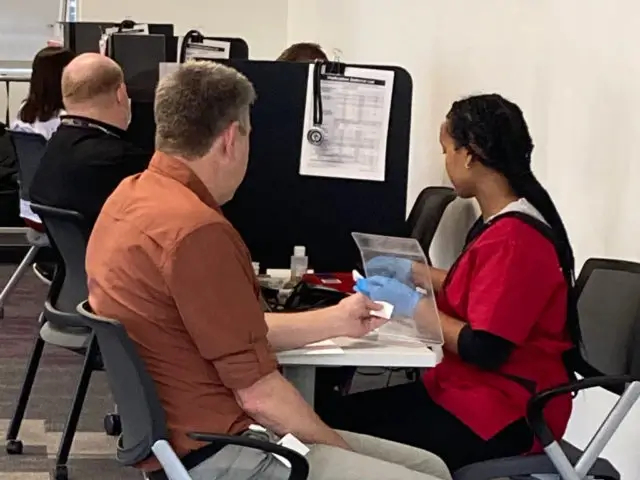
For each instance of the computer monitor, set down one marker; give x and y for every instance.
(139, 56)
(84, 37)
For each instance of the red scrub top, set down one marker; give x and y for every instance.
(507, 282)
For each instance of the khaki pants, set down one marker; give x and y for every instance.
(370, 458)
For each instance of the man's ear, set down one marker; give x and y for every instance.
(228, 137)
(121, 93)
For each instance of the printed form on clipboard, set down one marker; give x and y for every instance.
(356, 107)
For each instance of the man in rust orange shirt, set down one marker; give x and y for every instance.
(164, 261)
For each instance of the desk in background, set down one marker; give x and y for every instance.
(299, 366)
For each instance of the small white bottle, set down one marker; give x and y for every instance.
(299, 263)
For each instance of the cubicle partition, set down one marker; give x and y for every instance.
(140, 56)
(276, 208)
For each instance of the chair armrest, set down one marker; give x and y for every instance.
(299, 465)
(537, 404)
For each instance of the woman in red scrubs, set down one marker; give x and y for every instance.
(506, 307)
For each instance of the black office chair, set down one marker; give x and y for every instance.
(609, 309)
(426, 214)
(29, 149)
(144, 431)
(61, 325)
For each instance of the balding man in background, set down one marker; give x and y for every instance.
(88, 156)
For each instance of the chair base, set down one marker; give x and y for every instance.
(59, 473)
(14, 447)
(112, 425)
(25, 392)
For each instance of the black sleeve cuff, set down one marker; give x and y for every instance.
(483, 349)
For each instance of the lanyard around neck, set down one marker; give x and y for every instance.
(78, 123)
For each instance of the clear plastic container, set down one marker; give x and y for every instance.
(299, 263)
(424, 326)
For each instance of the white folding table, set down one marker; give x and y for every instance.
(299, 366)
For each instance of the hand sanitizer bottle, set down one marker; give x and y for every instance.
(299, 263)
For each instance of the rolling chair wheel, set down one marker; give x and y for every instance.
(112, 425)
(60, 473)
(14, 447)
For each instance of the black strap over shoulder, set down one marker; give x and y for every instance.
(476, 229)
(479, 227)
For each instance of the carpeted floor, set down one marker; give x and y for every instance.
(92, 450)
(92, 454)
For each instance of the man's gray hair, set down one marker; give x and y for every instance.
(196, 103)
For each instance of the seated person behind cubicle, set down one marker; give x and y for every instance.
(179, 278)
(88, 155)
(302, 52)
(506, 306)
(40, 112)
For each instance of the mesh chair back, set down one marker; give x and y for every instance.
(143, 419)
(609, 309)
(426, 214)
(29, 149)
(66, 232)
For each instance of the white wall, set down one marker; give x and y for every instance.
(262, 23)
(572, 65)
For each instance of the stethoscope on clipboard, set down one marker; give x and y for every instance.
(317, 134)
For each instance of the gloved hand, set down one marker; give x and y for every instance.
(393, 267)
(384, 289)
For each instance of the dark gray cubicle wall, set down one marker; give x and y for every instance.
(275, 208)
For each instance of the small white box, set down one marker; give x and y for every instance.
(292, 443)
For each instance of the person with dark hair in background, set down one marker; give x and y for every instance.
(506, 306)
(302, 52)
(40, 113)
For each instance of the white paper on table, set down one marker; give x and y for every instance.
(326, 347)
(208, 49)
(356, 108)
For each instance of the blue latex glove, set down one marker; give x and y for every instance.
(393, 267)
(384, 289)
